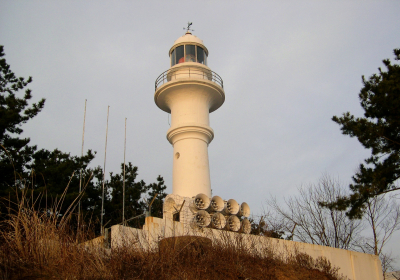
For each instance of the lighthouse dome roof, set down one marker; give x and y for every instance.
(188, 38)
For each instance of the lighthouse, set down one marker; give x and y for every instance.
(189, 90)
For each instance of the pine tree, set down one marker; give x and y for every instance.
(159, 189)
(378, 130)
(52, 172)
(15, 152)
(134, 191)
(44, 175)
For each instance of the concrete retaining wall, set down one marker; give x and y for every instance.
(354, 265)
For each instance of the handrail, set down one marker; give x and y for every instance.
(188, 72)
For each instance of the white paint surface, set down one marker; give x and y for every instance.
(190, 94)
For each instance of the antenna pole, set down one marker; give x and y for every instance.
(104, 174)
(80, 175)
(123, 184)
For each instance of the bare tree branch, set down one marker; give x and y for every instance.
(311, 223)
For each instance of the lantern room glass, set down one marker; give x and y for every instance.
(173, 58)
(180, 54)
(188, 53)
(200, 55)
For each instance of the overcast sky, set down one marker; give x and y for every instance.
(287, 67)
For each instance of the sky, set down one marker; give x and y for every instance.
(287, 67)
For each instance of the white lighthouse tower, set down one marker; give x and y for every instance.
(189, 90)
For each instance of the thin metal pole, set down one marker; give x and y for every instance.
(104, 174)
(123, 184)
(152, 203)
(80, 175)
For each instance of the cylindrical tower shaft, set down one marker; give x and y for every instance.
(189, 91)
(191, 173)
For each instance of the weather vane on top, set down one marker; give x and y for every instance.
(188, 27)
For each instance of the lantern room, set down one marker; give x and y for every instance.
(188, 48)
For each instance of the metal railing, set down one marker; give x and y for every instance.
(188, 72)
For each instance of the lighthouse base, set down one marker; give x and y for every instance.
(354, 265)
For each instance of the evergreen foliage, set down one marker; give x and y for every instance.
(378, 130)
(134, 192)
(53, 177)
(15, 152)
(159, 189)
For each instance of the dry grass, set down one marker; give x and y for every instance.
(36, 245)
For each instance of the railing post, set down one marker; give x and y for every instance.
(163, 78)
